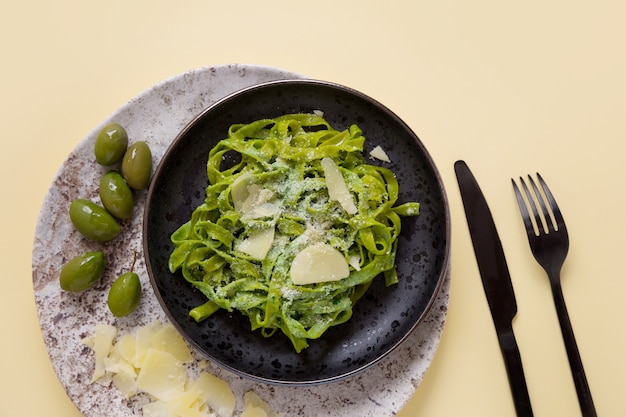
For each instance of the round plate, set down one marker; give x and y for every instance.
(157, 115)
(382, 319)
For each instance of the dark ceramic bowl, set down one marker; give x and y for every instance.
(382, 319)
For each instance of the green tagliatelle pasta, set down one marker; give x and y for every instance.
(278, 163)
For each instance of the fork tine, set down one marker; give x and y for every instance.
(556, 211)
(548, 225)
(539, 224)
(528, 224)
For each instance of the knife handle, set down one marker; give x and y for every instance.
(513, 365)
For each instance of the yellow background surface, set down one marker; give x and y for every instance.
(511, 87)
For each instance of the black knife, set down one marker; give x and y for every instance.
(496, 281)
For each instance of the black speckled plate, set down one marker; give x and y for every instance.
(382, 319)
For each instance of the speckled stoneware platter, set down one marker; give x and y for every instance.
(157, 116)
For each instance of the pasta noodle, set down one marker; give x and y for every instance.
(275, 187)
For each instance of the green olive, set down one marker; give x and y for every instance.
(92, 221)
(111, 144)
(82, 271)
(116, 196)
(124, 294)
(137, 165)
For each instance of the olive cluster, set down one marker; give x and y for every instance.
(100, 223)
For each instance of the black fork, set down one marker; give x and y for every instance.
(549, 243)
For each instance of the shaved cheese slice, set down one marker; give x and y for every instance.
(239, 190)
(255, 406)
(254, 193)
(257, 203)
(126, 384)
(161, 375)
(117, 365)
(318, 263)
(216, 393)
(258, 243)
(380, 154)
(167, 339)
(262, 196)
(355, 262)
(156, 409)
(251, 199)
(185, 404)
(265, 210)
(126, 346)
(143, 342)
(102, 344)
(337, 188)
(162, 352)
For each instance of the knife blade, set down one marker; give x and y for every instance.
(496, 282)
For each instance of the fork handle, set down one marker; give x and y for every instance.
(576, 364)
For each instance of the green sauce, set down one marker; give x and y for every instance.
(281, 158)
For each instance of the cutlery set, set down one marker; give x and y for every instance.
(549, 243)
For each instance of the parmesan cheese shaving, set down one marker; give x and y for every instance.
(126, 384)
(152, 360)
(337, 187)
(379, 154)
(169, 340)
(255, 406)
(239, 190)
(318, 263)
(355, 262)
(258, 243)
(216, 393)
(161, 376)
(252, 200)
(101, 345)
